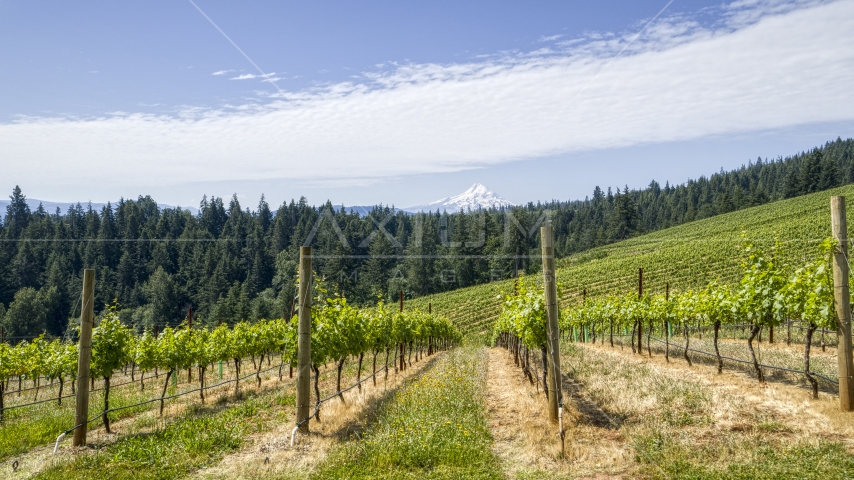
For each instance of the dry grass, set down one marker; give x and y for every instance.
(678, 418)
(528, 444)
(736, 389)
(269, 454)
(632, 416)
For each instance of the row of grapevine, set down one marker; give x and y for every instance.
(522, 327)
(339, 330)
(770, 291)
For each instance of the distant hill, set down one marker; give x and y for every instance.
(51, 207)
(362, 210)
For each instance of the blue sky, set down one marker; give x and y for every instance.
(407, 102)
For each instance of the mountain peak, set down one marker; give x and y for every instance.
(477, 197)
(477, 188)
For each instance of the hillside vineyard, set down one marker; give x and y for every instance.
(232, 264)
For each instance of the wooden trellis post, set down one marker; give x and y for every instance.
(839, 227)
(304, 339)
(402, 345)
(553, 354)
(190, 325)
(87, 319)
(640, 322)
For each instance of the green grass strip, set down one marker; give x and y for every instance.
(433, 428)
(26, 428)
(198, 438)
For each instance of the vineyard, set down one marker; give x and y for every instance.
(769, 295)
(708, 296)
(685, 257)
(727, 340)
(122, 362)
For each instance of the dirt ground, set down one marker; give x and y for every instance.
(528, 444)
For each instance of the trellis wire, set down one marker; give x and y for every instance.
(703, 352)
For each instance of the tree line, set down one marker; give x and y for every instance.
(232, 263)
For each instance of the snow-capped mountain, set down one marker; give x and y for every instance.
(476, 197)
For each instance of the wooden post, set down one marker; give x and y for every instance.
(430, 308)
(220, 362)
(402, 359)
(666, 323)
(190, 324)
(550, 284)
(640, 322)
(839, 225)
(87, 319)
(666, 331)
(304, 338)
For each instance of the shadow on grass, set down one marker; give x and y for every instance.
(373, 407)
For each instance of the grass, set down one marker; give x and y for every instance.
(198, 438)
(754, 457)
(28, 427)
(679, 427)
(434, 427)
(633, 393)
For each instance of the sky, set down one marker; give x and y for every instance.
(404, 103)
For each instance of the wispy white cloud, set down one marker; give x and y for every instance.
(755, 65)
(222, 72)
(550, 38)
(248, 76)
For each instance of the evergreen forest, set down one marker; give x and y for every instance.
(230, 262)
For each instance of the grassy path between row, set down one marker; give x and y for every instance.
(688, 422)
(199, 437)
(27, 428)
(469, 413)
(433, 428)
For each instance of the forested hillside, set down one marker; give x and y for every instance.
(231, 263)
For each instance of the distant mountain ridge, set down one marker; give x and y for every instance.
(50, 207)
